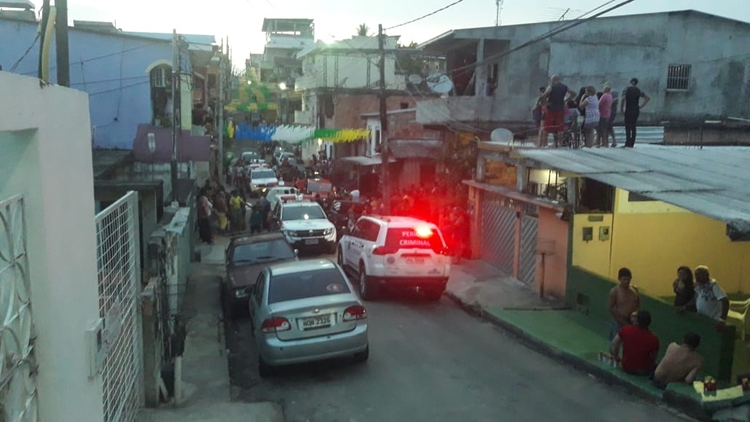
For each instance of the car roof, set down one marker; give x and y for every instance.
(247, 238)
(398, 221)
(293, 267)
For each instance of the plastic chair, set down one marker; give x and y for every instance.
(738, 312)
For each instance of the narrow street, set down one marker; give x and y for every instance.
(432, 362)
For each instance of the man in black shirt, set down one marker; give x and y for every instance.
(631, 109)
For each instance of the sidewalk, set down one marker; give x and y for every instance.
(574, 338)
(205, 369)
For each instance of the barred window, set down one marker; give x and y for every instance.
(678, 77)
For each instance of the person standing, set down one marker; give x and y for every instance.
(613, 116)
(537, 112)
(556, 96)
(710, 299)
(204, 214)
(623, 301)
(631, 108)
(605, 111)
(590, 105)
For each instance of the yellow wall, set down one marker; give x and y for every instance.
(653, 239)
(593, 255)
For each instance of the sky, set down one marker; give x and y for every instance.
(241, 20)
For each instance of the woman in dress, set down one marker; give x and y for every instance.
(684, 288)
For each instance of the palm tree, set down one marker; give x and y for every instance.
(362, 30)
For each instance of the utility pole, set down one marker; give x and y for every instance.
(384, 125)
(220, 164)
(176, 125)
(42, 38)
(61, 35)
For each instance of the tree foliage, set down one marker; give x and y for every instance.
(363, 30)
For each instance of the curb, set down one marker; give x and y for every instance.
(690, 407)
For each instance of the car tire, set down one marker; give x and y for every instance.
(264, 370)
(362, 356)
(434, 295)
(332, 248)
(365, 288)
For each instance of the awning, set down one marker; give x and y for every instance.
(366, 161)
(415, 148)
(711, 181)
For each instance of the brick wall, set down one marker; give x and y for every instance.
(348, 108)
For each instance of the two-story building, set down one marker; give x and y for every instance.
(698, 79)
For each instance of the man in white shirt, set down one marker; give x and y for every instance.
(355, 195)
(710, 299)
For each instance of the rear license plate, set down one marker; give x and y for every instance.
(415, 260)
(311, 241)
(316, 322)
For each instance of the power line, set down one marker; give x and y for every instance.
(427, 15)
(26, 53)
(119, 88)
(105, 55)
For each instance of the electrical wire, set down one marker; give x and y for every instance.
(105, 55)
(119, 88)
(426, 16)
(26, 53)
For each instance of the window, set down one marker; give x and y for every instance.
(678, 77)
(307, 284)
(261, 252)
(637, 197)
(303, 212)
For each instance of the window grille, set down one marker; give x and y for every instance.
(159, 77)
(678, 77)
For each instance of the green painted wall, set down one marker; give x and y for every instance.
(590, 292)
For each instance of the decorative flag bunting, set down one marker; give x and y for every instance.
(297, 134)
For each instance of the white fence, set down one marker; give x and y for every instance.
(118, 262)
(18, 395)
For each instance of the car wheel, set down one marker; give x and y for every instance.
(332, 248)
(365, 288)
(362, 356)
(264, 370)
(434, 294)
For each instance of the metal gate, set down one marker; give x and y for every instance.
(498, 232)
(18, 395)
(118, 261)
(527, 267)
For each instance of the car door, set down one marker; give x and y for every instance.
(354, 243)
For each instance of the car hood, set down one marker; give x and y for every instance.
(316, 224)
(264, 181)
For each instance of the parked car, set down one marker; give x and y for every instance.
(273, 194)
(305, 225)
(261, 180)
(396, 253)
(246, 256)
(306, 311)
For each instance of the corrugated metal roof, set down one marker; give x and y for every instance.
(712, 181)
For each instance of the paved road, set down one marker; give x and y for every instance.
(433, 362)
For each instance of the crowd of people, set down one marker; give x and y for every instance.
(630, 332)
(586, 118)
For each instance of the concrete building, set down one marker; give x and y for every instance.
(50, 273)
(693, 66)
(126, 74)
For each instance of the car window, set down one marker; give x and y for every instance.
(306, 284)
(259, 284)
(359, 229)
(421, 238)
(261, 252)
(303, 212)
(264, 174)
(369, 230)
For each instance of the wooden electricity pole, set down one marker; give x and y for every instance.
(385, 177)
(61, 41)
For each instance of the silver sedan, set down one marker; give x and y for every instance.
(306, 311)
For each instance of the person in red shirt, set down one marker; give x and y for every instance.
(639, 346)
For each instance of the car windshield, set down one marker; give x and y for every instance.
(426, 238)
(307, 284)
(302, 212)
(265, 174)
(261, 252)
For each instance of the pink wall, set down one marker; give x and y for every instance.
(552, 235)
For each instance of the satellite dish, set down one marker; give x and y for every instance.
(501, 135)
(415, 79)
(440, 83)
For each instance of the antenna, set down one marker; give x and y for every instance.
(499, 4)
(440, 83)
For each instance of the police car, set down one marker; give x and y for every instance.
(396, 253)
(305, 225)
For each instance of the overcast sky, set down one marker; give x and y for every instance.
(241, 20)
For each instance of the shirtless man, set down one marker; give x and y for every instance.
(623, 301)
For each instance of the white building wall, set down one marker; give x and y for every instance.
(45, 155)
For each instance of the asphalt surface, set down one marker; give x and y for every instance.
(431, 361)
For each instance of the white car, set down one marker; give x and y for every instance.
(305, 225)
(261, 180)
(397, 253)
(273, 194)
